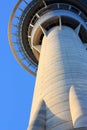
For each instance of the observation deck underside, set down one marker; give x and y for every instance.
(26, 14)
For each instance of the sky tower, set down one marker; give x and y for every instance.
(49, 39)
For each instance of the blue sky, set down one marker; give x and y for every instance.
(16, 85)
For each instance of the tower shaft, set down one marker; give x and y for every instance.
(61, 83)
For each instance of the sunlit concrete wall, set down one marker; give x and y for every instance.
(60, 95)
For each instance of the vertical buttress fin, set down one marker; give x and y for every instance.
(78, 106)
(39, 119)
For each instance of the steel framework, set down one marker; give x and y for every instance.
(25, 15)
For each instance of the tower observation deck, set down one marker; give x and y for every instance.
(49, 39)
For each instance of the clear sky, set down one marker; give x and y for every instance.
(16, 85)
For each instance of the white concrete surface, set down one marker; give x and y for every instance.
(62, 64)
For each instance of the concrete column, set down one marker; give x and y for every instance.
(62, 64)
